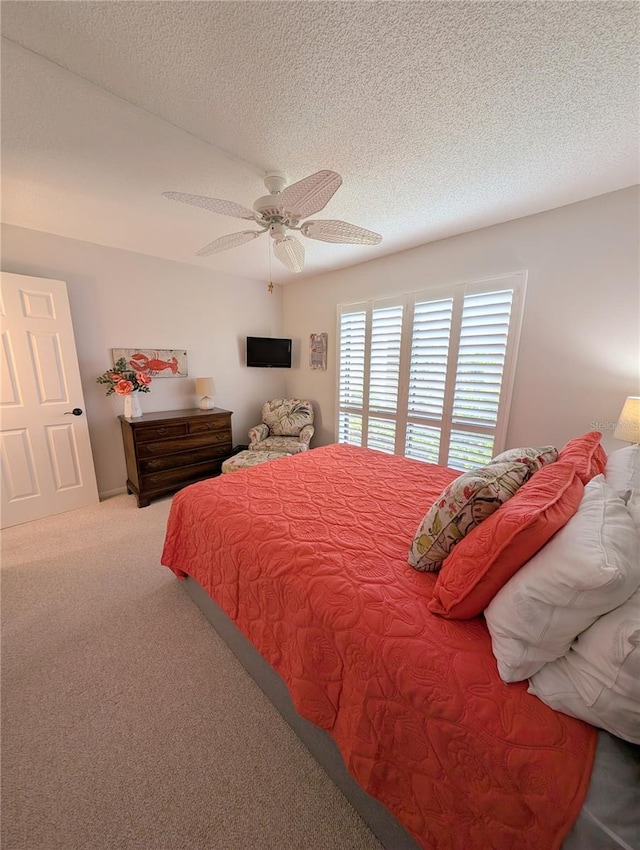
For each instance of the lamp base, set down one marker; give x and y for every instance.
(206, 403)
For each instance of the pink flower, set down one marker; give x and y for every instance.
(123, 387)
(143, 379)
(115, 377)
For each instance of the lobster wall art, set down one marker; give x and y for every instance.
(156, 362)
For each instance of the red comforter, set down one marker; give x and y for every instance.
(308, 556)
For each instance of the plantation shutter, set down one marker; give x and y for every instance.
(427, 378)
(482, 352)
(384, 377)
(430, 378)
(351, 376)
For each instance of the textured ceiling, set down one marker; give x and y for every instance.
(441, 117)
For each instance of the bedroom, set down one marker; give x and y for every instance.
(83, 171)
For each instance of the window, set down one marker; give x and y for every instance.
(429, 375)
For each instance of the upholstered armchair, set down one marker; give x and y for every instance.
(287, 426)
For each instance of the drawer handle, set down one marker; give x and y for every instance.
(163, 431)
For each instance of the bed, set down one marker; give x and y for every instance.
(302, 566)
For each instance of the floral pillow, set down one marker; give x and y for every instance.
(463, 505)
(534, 457)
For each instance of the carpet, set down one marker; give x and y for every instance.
(126, 721)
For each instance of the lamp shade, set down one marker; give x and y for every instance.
(205, 387)
(628, 427)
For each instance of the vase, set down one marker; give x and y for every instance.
(132, 407)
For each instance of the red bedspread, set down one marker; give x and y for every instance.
(308, 556)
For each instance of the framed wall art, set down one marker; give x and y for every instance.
(318, 351)
(156, 362)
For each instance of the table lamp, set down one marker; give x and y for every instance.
(628, 427)
(205, 388)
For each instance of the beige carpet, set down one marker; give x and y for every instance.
(126, 721)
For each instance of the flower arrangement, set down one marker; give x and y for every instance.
(122, 380)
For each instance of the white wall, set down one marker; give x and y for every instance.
(120, 299)
(579, 353)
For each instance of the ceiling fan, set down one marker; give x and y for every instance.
(281, 211)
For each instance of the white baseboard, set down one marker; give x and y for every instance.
(107, 494)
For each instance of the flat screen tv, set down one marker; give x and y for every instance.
(269, 351)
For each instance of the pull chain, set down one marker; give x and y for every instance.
(270, 287)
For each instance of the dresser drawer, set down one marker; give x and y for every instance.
(208, 425)
(182, 475)
(156, 432)
(192, 441)
(158, 464)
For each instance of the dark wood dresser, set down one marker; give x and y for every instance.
(172, 448)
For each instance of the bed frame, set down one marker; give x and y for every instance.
(607, 821)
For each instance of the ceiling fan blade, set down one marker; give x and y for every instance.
(310, 195)
(228, 241)
(290, 252)
(214, 205)
(332, 230)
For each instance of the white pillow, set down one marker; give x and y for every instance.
(623, 470)
(589, 567)
(633, 506)
(599, 679)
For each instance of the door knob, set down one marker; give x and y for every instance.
(77, 411)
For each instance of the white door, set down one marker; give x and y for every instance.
(47, 466)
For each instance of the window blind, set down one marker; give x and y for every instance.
(429, 375)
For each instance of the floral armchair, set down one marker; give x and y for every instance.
(287, 426)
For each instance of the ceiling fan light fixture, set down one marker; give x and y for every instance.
(290, 252)
(277, 230)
